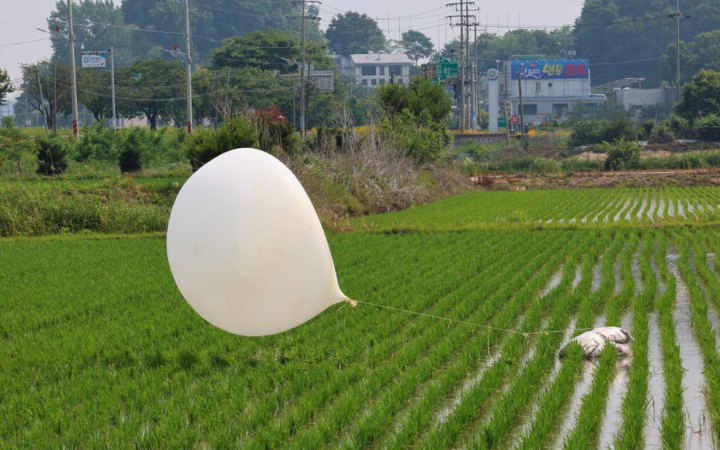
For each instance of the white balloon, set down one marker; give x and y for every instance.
(246, 247)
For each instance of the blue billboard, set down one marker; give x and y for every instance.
(551, 69)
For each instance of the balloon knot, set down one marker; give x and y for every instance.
(352, 303)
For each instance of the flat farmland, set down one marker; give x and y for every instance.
(99, 348)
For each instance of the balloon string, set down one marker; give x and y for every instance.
(463, 322)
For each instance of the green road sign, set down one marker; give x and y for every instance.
(501, 122)
(447, 69)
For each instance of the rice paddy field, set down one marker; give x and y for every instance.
(466, 303)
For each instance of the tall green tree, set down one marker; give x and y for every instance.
(153, 88)
(352, 32)
(54, 80)
(6, 86)
(703, 52)
(268, 50)
(701, 96)
(416, 45)
(98, 25)
(162, 22)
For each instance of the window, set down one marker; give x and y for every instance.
(395, 70)
(364, 82)
(369, 70)
(530, 109)
(373, 82)
(383, 70)
(560, 109)
(549, 85)
(538, 88)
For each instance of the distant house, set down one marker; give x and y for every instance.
(376, 69)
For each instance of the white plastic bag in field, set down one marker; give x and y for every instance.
(246, 247)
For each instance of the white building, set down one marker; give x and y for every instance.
(550, 88)
(376, 69)
(635, 100)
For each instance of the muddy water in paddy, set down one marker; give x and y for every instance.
(671, 208)
(711, 261)
(627, 204)
(581, 388)
(656, 387)
(597, 277)
(661, 207)
(651, 209)
(637, 276)
(531, 415)
(553, 283)
(681, 209)
(578, 278)
(612, 418)
(698, 434)
(642, 207)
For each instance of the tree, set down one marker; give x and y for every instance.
(55, 82)
(421, 96)
(95, 92)
(154, 88)
(352, 32)
(701, 97)
(97, 24)
(268, 50)
(703, 52)
(416, 45)
(631, 34)
(212, 21)
(6, 86)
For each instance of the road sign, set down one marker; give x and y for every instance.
(501, 122)
(447, 69)
(93, 61)
(515, 118)
(493, 74)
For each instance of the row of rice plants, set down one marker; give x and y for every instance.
(673, 423)
(450, 380)
(553, 398)
(440, 343)
(377, 418)
(456, 285)
(635, 403)
(515, 398)
(468, 408)
(292, 404)
(702, 285)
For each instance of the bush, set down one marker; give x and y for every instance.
(51, 155)
(679, 126)
(421, 138)
(662, 134)
(130, 154)
(622, 155)
(589, 132)
(645, 129)
(98, 143)
(708, 127)
(205, 144)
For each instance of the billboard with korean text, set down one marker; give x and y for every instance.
(551, 69)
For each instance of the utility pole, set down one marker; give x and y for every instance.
(73, 78)
(520, 104)
(474, 79)
(112, 83)
(42, 100)
(677, 16)
(303, 69)
(189, 67)
(463, 7)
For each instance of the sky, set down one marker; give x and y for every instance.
(20, 18)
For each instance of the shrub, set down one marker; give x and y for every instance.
(588, 132)
(622, 155)
(51, 156)
(679, 126)
(421, 138)
(130, 154)
(645, 129)
(205, 144)
(98, 143)
(662, 134)
(708, 127)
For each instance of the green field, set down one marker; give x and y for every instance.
(100, 350)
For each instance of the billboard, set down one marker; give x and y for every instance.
(551, 69)
(92, 60)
